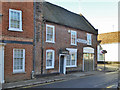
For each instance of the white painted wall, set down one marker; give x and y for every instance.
(1, 64)
(112, 52)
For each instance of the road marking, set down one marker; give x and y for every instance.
(30, 86)
(43, 84)
(111, 73)
(110, 86)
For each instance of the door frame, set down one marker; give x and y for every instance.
(92, 52)
(64, 62)
(2, 62)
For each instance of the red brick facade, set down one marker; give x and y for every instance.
(25, 40)
(63, 41)
(18, 40)
(9, 75)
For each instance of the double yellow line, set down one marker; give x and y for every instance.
(43, 84)
(110, 86)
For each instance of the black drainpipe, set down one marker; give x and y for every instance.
(42, 48)
(42, 34)
(34, 41)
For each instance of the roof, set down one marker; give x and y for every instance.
(107, 38)
(59, 15)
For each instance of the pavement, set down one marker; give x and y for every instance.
(59, 77)
(108, 67)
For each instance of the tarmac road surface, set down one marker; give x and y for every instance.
(104, 80)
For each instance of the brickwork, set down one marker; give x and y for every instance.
(8, 66)
(27, 19)
(63, 41)
(38, 34)
(27, 35)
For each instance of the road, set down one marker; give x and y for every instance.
(104, 80)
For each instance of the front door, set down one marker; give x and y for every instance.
(62, 64)
(88, 61)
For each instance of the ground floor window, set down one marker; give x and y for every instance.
(49, 59)
(18, 60)
(102, 56)
(88, 56)
(71, 60)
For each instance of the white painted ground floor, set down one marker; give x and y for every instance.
(112, 54)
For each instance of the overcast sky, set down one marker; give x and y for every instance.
(102, 14)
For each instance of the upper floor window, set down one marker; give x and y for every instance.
(18, 60)
(15, 20)
(49, 59)
(50, 34)
(89, 39)
(73, 38)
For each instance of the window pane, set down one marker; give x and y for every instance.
(18, 59)
(73, 59)
(49, 55)
(89, 38)
(73, 37)
(12, 15)
(73, 56)
(68, 61)
(12, 23)
(49, 59)
(18, 24)
(49, 33)
(73, 62)
(49, 62)
(15, 19)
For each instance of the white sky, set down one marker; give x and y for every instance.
(102, 14)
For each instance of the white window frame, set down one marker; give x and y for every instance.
(53, 41)
(75, 37)
(20, 27)
(22, 70)
(71, 60)
(53, 59)
(89, 43)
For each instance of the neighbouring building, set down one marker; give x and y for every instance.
(42, 38)
(16, 41)
(64, 41)
(109, 42)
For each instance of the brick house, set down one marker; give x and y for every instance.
(16, 41)
(64, 41)
(109, 42)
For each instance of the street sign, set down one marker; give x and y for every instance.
(82, 41)
(103, 51)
